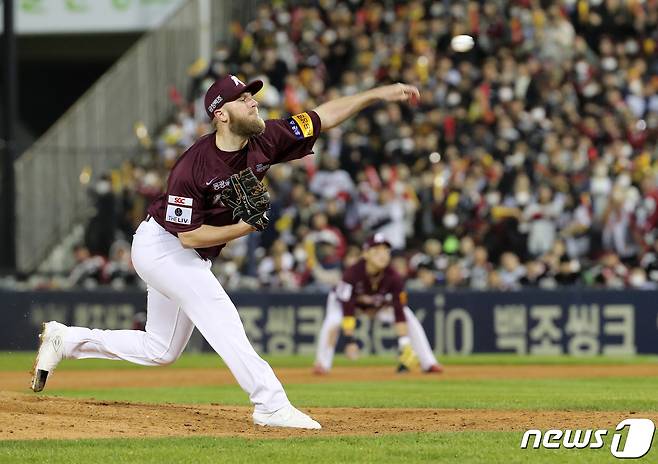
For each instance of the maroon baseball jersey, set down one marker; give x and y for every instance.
(196, 180)
(358, 290)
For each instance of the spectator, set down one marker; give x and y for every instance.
(545, 132)
(454, 277)
(576, 231)
(610, 272)
(541, 217)
(637, 279)
(88, 271)
(102, 228)
(480, 269)
(331, 182)
(118, 272)
(649, 263)
(425, 278)
(277, 269)
(511, 272)
(322, 232)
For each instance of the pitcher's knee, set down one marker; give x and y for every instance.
(167, 358)
(160, 354)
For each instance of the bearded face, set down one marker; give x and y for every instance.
(245, 123)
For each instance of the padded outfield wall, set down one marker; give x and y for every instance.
(575, 321)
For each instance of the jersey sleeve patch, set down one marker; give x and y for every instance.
(178, 215)
(180, 201)
(301, 125)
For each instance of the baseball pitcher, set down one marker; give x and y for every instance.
(213, 196)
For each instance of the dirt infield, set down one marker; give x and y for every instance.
(30, 416)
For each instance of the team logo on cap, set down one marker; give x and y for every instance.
(237, 81)
(379, 238)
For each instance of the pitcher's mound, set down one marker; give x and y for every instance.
(26, 416)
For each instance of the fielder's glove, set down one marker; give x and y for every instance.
(248, 198)
(407, 359)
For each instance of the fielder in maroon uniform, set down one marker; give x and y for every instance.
(187, 226)
(372, 287)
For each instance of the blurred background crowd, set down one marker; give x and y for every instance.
(531, 160)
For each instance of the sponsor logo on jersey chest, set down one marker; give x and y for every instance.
(221, 184)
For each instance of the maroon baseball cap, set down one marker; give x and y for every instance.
(227, 89)
(377, 239)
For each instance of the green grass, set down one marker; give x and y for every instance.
(606, 394)
(20, 361)
(602, 394)
(467, 447)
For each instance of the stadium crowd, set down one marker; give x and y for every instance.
(531, 160)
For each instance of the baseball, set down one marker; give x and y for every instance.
(462, 43)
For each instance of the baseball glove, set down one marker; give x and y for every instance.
(407, 359)
(248, 198)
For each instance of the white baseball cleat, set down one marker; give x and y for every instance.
(287, 416)
(51, 352)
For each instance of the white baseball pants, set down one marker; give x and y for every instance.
(332, 324)
(182, 293)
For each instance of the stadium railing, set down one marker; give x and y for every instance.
(97, 132)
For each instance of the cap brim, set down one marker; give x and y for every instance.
(372, 245)
(253, 87)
